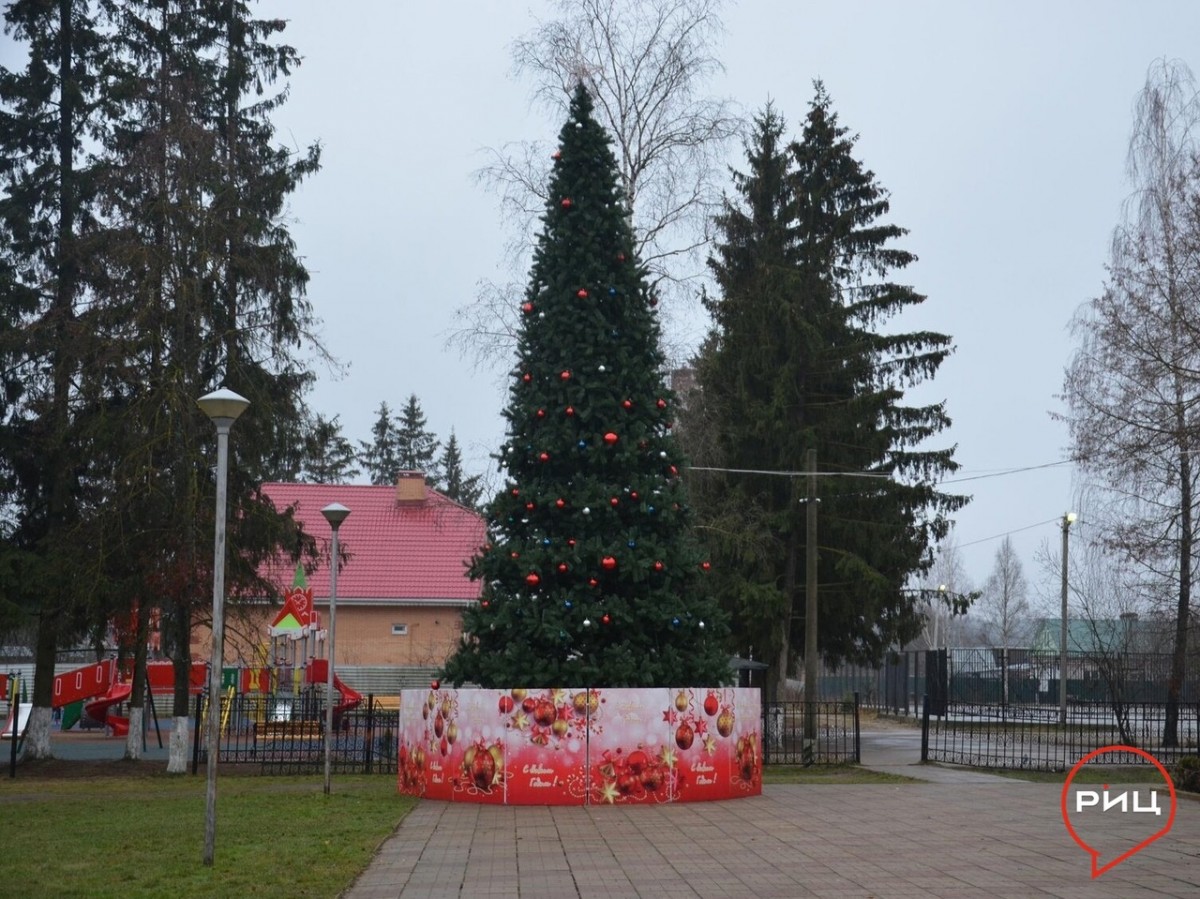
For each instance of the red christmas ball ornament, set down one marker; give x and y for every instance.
(592, 582)
(637, 760)
(605, 619)
(582, 293)
(435, 684)
(541, 413)
(543, 457)
(566, 203)
(684, 735)
(560, 502)
(527, 377)
(658, 566)
(674, 471)
(532, 579)
(634, 496)
(661, 403)
(556, 155)
(614, 502)
(516, 492)
(565, 375)
(610, 438)
(514, 555)
(527, 308)
(705, 566)
(627, 405)
(529, 507)
(570, 411)
(620, 257)
(506, 704)
(571, 541)
(654, 301)
(608, 563)
(562, 568)
(485, 604)
(710, 704)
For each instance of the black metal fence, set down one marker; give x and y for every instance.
(1006, 676)
(286, 735)
(995, 735)
(818, 733)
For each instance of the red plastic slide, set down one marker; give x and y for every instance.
(318, 673)
(98, 709)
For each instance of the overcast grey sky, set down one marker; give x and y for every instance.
(999, 127)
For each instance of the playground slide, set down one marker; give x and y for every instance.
(318, 673)
(98, 709)
(22, 722)
(351, 698)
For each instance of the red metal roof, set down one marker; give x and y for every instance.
(398, 550)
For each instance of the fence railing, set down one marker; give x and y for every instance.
(818, 733)
(1011, 676)
(286, 735)
(994, 735)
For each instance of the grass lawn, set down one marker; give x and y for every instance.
(114, 834)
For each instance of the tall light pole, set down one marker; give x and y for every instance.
(1067, 520)
(223, 407)
(335, 514)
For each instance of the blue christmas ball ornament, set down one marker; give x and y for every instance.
(545, 541)
(632, 544)
(674, 622)
(612, 291)
(582, 444)
(567, 603)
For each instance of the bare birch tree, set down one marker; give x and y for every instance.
(1132, 388)
(645, 63)
(1005, 601)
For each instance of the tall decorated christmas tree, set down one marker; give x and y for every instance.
(591, 577)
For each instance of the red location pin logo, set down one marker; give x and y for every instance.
(1091, 805)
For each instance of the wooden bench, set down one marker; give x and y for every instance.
(288, 732)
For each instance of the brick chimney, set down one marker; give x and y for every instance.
(410, 487)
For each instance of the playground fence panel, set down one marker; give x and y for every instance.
(285, 734)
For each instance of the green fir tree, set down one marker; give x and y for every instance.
(453, 478)
(380, 458)
(804, 355)
(591, 576)
(416, 445)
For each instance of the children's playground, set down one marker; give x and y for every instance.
(273, 710)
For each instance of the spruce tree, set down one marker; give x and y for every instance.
(328, 456)
(591, 576)
(453, 478)
(803, 356)
(380, 457)
(416, 446)
(50, 117)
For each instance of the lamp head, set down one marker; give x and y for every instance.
(1069, 519)
(223, 405)
(335, 514)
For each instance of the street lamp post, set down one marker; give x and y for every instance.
(335, 514)
(223, 407)
(1067, 520)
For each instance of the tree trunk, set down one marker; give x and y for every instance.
(1183, 607)
(137, 696)
(133, 740)
(179, 745)
(37, 740)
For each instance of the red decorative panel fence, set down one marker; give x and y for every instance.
(580, 746)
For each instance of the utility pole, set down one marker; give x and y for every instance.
(811, 691)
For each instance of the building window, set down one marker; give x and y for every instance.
(399, 630)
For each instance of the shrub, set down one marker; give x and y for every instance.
(1187, 773)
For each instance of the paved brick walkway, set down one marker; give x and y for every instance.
(892, 842)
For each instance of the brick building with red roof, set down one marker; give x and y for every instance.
(401, 593)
